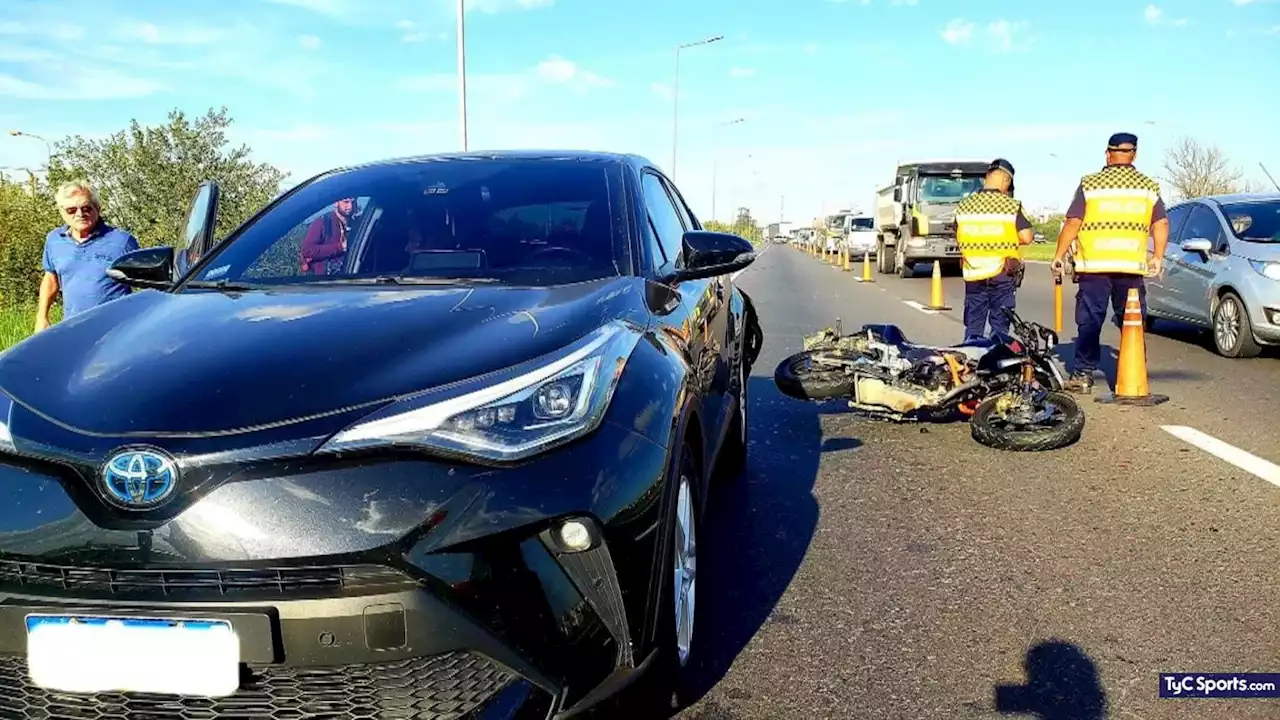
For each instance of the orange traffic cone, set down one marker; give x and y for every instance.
(1131, 372)
(866, 268)
(935, 289)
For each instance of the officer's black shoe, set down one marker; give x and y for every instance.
(1080, 383)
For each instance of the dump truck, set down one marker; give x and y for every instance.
(915, 216)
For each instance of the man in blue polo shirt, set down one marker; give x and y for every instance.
(77, 255)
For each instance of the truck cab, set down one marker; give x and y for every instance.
(916, 215)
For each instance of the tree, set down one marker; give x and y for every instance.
(148, 176)
(27, 213)
(1050, 227)
(1195, 170)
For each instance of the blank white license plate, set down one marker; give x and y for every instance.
(84, 654)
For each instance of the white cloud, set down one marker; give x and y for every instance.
(84, 84)
(558, 71)
(58, 31)
(661, 90)
(309, 42)
(1154, 15)
(958, 32)
(505, 87)
(153, 34)
(997, 35)
(741, 72)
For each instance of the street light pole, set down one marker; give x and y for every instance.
(47, 147)
(715, 160)
(462, 74)
(675, 97)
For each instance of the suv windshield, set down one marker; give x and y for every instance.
(947, 189)
(521, 221)
(1254, 221)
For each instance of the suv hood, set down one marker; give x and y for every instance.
(206, 362)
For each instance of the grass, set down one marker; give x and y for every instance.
(1038, 251)
(16, 322)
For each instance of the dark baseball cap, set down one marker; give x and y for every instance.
(1119, 139)
(1001, 164)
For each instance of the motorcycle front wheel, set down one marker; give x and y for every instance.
(1057, 422)
(803, 378)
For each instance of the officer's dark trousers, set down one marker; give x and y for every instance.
(1096, 292)
(984, 301)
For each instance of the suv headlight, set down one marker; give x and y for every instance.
(518, 413)
(6, 437)
(1268, 269)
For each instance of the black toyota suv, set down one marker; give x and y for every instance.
(423, 438)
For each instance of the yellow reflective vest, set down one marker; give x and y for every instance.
(987, 233)
(1118, 201)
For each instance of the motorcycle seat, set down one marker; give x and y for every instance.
(973, 348)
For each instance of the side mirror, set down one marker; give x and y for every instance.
(1198, 245)
(708, 254)
(145, 268)
(897, 194)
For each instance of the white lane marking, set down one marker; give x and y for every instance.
(1246, 461)
(918, 306)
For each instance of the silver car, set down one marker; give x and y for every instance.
(1222, 271)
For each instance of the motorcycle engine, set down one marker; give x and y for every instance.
(901, 385)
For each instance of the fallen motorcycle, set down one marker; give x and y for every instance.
(1009, 385)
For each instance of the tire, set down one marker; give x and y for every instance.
(795, 379)
(733, 458)
(1231, 311)
(674, 685)
(905, 269)
(884, 258)
(983, 430)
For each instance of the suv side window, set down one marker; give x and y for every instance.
(666, 221)
(682, 207)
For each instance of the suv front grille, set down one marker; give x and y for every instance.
(223, 584)
(436, 688)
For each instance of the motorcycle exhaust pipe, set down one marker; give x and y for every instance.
(959, 389)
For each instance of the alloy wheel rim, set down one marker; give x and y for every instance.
(686, 567)
(1228, 324)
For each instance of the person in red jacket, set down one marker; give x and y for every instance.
(325, 245)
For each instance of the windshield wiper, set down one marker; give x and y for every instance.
(222, 285)
(406, 280)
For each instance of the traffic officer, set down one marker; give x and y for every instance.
(990, 225)
(1113, 213)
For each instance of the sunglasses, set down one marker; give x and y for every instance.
(83, 210)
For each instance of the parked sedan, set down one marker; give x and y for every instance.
(423, 438)
(1222, 271)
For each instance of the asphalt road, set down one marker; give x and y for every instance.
(872, 570)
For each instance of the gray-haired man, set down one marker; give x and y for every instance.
(77, 255)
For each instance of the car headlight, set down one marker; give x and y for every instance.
(1269, 269)
(6, 437)
(519, 413)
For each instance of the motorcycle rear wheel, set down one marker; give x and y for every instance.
(800, 377)
(989, 428)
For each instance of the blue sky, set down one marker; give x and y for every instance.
(832, 92)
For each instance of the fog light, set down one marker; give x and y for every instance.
(575, 536)
(1273, 316)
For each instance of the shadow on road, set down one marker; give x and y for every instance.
(1109, 364)
(758, 527)
(1200, 337)
(1062, 684)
